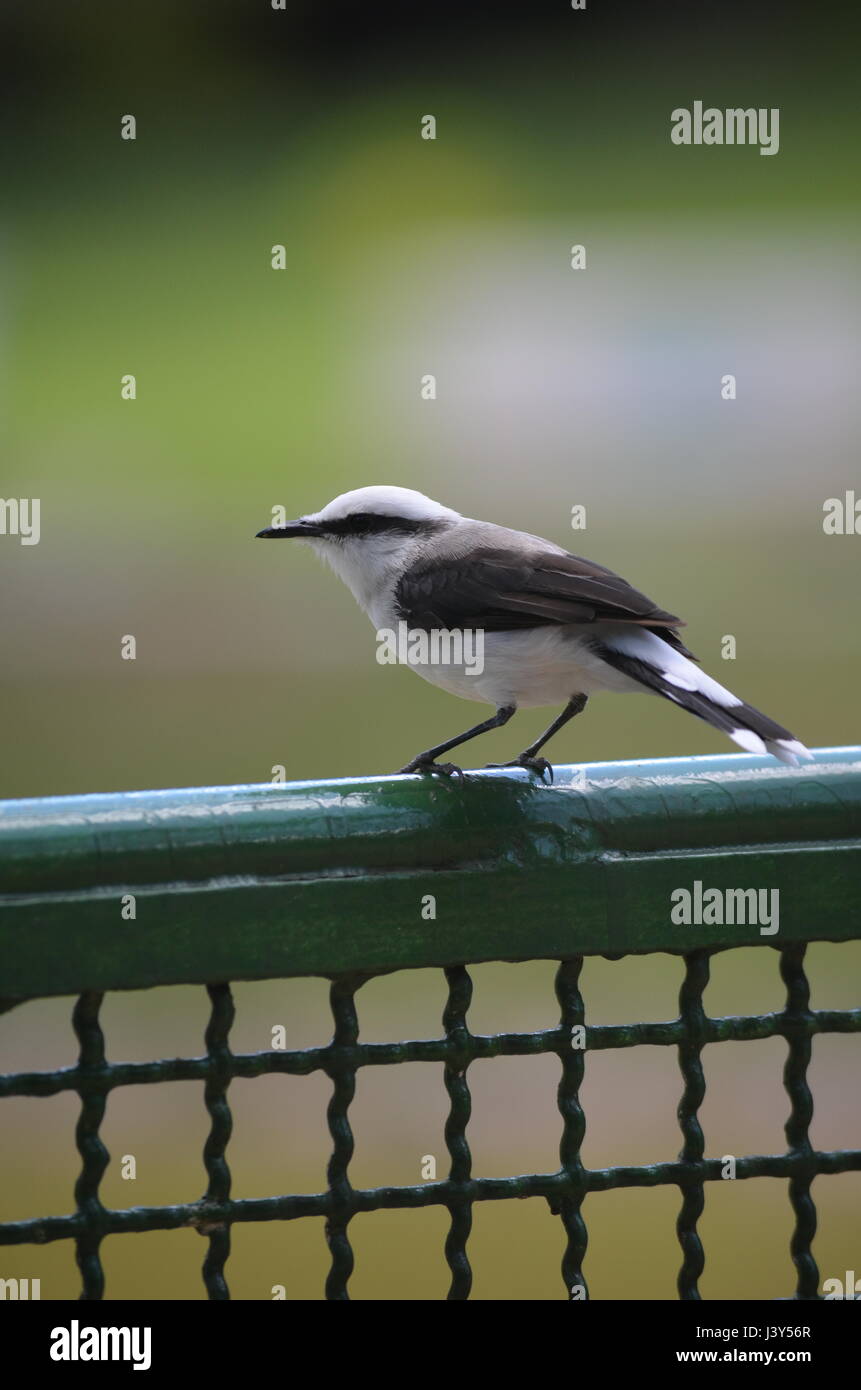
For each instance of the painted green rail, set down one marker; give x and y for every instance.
(327, 878)
(334, 878)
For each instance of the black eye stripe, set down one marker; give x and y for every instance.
(373, 524)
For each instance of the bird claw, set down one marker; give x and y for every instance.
(425, 765)
(540, 766)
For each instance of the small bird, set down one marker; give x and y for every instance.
(556, 628)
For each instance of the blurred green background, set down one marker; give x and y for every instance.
(258, 388)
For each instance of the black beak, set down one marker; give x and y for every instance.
(291, 528)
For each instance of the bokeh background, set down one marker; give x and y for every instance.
(258, 388)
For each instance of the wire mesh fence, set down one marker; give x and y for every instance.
(94, 1078)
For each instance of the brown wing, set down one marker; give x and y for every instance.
(500, 591)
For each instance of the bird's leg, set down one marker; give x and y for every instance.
(528, 757)
(424, 762)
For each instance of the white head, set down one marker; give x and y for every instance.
(366, 535)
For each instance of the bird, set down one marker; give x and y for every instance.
(556, 628)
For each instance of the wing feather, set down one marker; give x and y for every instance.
(499, 590)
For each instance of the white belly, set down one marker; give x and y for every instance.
(539, 666)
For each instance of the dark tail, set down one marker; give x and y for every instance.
(662, 668)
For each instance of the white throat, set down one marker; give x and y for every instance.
(369, 568)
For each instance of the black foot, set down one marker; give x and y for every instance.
(428, 765)
(540, 766)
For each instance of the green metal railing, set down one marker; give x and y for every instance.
(261, 882)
